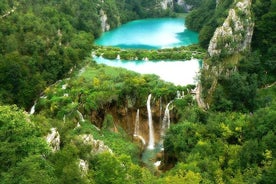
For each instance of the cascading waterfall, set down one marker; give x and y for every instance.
(165, 123)
(151, 130)
(32, 111)
(137, 129)
(166, 119)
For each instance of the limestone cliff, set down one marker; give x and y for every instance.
(104, 24)
(226, 47)
(98, 146)
(165, 4)
(53, 139)
(236, 32)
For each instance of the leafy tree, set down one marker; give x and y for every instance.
(32, 169)
(19, 140)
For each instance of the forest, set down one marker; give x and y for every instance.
(79, 131)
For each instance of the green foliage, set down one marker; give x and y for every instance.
(110, 169)
(180, 53)
(66, 165)
(134, 9)
(15, 128)
(229, 147)
(180, 139)
(206, 18)
(32, 169)
(180, 174)
(239, 90)
(41, 41)
(22, 148)
(264, 33)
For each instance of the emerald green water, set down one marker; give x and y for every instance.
(150, 34)
(153, 34)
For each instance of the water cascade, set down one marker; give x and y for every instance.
(165, 123)
(151, 130)
(137, 129)
(32, 111)
(166, 119)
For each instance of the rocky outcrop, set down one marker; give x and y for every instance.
(104, 24)
(187, 7)
(84, 167)
(98, 146)
(165, 4)
(53, 139)
(236, 32)
(227, 45)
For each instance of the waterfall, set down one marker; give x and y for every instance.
(32, 111)
(80, 115)
(141, 139)
(166, 118)
(151, 130)
(179, 95)
(165, 123)
(118, 57)
(137, 128)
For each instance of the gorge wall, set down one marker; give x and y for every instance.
(114, 117)
(225, 47)
(236, 32)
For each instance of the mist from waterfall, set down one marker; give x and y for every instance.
(151, 130)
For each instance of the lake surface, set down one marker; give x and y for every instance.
(153, 34)
(176, 72)
(150, 34)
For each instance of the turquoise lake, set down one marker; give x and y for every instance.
(153, 34)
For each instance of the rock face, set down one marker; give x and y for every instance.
(165, 4)
(84, 167)
(103, 17)
(236, 32)
(98, 146)
(53, 139)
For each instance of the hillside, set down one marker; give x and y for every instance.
(66, 119)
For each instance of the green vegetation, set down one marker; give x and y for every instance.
(235, 86)
(180, 53)
(40, 42)
(207, 17)
(225, 147)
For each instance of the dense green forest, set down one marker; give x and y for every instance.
(80, 130)
(42, 41)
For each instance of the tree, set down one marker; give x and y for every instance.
(19, 139)
(32, 169)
